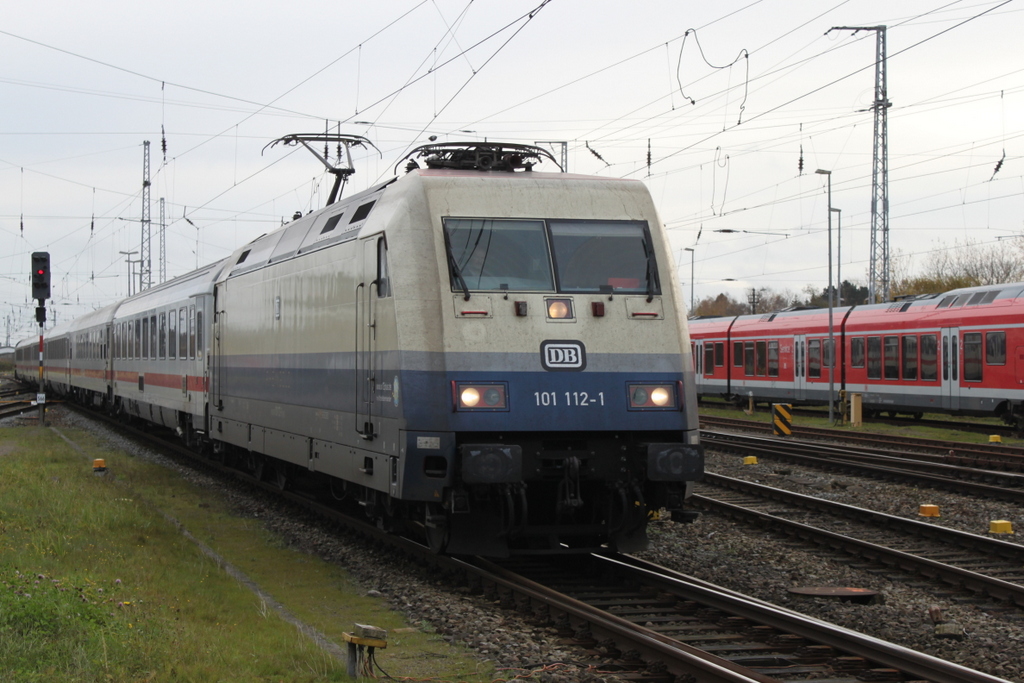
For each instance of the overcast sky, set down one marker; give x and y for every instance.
(724, 95)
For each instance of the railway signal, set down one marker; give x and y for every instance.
(41, 275)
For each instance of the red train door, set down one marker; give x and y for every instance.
(799, 367)
(951, 368)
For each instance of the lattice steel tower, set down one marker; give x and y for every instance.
(878, 278)
(146, 255)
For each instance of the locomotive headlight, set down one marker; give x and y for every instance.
(660, 397)
(653, 396)
(559, 309)
(473, 396)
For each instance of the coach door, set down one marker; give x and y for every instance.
(799, 367)
(951, 368)
(697, 349)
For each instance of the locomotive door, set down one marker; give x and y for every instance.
(951, 368)
(366, 354)
(799, 367)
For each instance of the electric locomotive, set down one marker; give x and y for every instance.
(493, 356)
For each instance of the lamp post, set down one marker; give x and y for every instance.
(691, 250)
(839, 255)
(831, 333)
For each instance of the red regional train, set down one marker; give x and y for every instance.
(960, 352)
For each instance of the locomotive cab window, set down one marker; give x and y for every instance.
(485, 254)
(591, 255)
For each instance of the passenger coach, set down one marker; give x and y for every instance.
(960, 352)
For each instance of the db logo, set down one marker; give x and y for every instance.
(563, 355)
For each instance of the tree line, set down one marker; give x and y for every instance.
(966, 264)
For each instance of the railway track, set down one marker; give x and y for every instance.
(991, 457)
(646, 623)
(982, 565)
(1008, 486)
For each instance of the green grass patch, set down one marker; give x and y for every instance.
(97, 585)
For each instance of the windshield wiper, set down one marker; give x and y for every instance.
(651, 274)
(454, 266)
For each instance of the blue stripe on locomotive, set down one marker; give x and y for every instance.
(537, 400)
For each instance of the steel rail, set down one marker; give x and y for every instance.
(887, 654)
(836, 460)
(956, 576)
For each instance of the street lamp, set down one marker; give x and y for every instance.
(839, 255)
(691, 250)
(831, 333)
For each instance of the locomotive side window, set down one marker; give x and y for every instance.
(995, 348)
(773, 359)
(719, 354)
(383, 274)
(486, 254)
(748, 358)
(972, 356)
(709, 359)
(909, 357)
(857, 352)
(761, 358)
(874, 358)
(594, 255)
(892, 357)
(929, 357)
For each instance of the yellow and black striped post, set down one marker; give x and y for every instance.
(782, 419)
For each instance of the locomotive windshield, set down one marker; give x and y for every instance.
(590, 257)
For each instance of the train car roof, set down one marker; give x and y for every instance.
(199, 281)
(100, 316)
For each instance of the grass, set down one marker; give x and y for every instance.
(713, 408)
(97, 585)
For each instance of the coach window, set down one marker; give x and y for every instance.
(760, 358)
(182, 333)
(814, 358)
(909, 357)
(857, 352)
(709, 359)
(163, 336)
(737, 354)
(145, 338)
(929, 357)
(383, 274)
(199, 332)
(892, 357)
(773, 359)
(138, 339)
(152, 336)
(172, 334)
(192, 331)
(995, 348)
(972, 356)
(874, 358)
(748, 358)
(719, 354)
